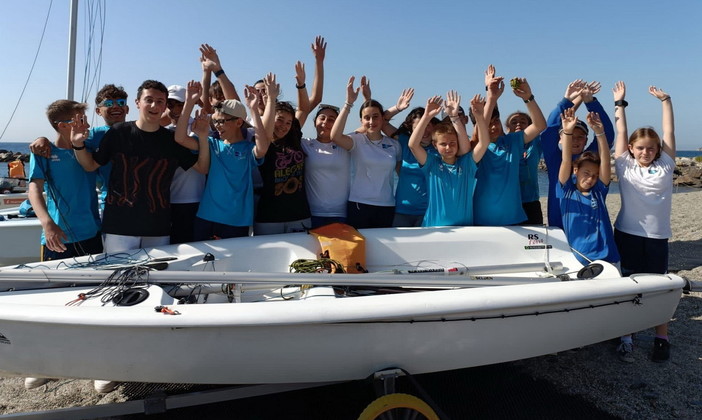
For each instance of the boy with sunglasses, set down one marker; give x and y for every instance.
(111, 105)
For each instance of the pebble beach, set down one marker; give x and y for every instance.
(643, 389)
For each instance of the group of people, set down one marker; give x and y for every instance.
(242, 166)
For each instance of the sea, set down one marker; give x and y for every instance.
(543, 179)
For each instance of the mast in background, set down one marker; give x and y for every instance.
(72, 32)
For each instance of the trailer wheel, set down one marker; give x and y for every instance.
(398, 405)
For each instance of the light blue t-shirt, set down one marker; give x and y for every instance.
(411, 196)
(103, 172)
(529, 171)
(228, 195)
(497, 200)
(586, 222)
(451, 190)
(70, 194)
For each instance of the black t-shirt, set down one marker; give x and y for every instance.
(283, 197)
(143, 163)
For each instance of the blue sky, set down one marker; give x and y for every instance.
(431, 46)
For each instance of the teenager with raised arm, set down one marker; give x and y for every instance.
(450, 172)
(144, 157)
(374, 159)
(582, 192)
(577, 92)
(497, 200)
(645, 164)
(226, 210)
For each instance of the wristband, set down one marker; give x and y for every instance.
(665, 99)
(219, 73)
(348, 104)
(599, 134)
(302, 86)
(567, 134)
(78, 147)
(531, 98)
(622, 103)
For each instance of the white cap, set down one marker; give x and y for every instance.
(176, 92)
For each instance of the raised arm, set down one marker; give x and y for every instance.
(303, 100)
(593, 105)
(403, 102)
(210, 60)
(568, 120)
(181, 131)
(477, 105)
(621, 144)
(201, 126)
(593, 120)
(337, 131)
(451, 105)
(571, 95)
(319, 49)
(494, 86)
(431, 110)
(272, 91)
(79, 133)
(523, 90)
(263, 141)
(668, 120)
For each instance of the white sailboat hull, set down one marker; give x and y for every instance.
(319, 336)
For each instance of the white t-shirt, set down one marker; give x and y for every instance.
(326, 178)
(646, 194)
(373, 166)
(187, 186)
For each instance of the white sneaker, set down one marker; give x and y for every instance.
(105, 387)
(31, 383)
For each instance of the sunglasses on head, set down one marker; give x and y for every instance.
(108, 103)
(322, 107)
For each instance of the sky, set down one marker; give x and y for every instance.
(430, 46)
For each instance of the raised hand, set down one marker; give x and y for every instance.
(568, 119)
(589, 90)
(351, 93)
(496, 86)
(477, 105)
(619, 91)
(523, 90)
(193, 91)
(403, 102)
(79, 129)
(594, 87)
(489, 74)
(433, 107)
(366, 88)
(201, 124)
(593, 120)
(453, 101)
(300, 73)
(573, 89)
(251, 97)
(658, 93)
(272, 87)
(209, 59)
(319, 48)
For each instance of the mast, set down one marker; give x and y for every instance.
(72, 32)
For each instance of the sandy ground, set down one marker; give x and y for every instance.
(643, 389)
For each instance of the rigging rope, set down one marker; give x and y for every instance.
(29, 75)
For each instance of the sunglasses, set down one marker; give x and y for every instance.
(223, 120)
(109, 103)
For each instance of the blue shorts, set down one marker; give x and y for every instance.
(640, 254)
